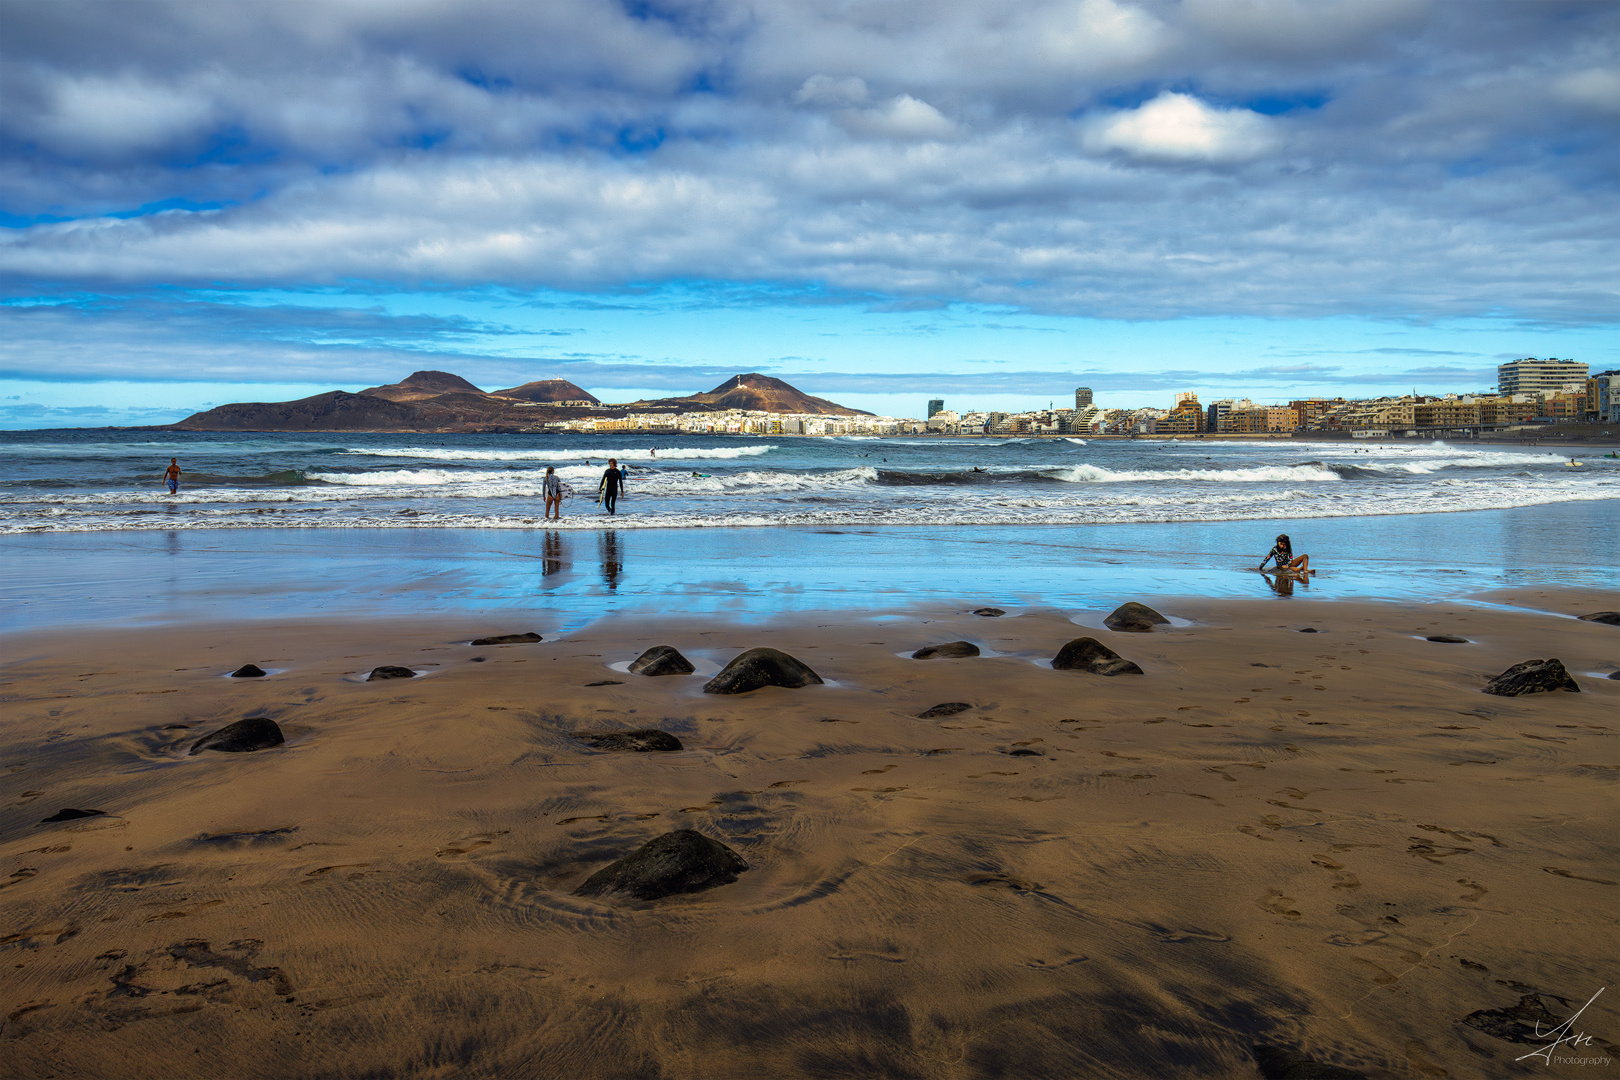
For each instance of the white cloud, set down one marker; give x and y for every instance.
(1179, 127)
(827, 90)
(120, 113)
(1595, 88)
(902, 117)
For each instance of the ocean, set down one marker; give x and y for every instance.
(98, 481)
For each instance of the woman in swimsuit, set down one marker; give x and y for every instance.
(1283, 552)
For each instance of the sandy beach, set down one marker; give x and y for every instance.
(1328, 844)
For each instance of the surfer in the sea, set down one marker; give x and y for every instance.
(1287, 562)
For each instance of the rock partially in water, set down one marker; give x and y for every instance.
(661, 660)
(508, 639)
(254, 733)
(949, 708)
(1614, 674)
(1279, 1064)
(761, 667)
(641, 740)
(249, 671)
(1611, 618)
(1089, 654)
(948, 651)
(1134, 618)
(1533, 677)
(683, 861)
(390, 671)
(989, 612)
(67, 813)
(1448, 639)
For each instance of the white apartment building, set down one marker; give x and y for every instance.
(1532, 376)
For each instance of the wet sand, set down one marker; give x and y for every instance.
(1341, 854)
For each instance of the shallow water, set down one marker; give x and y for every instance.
(562, 579)
(98, 480)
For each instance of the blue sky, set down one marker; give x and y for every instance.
(880, 202)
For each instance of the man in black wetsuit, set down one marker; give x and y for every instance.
(612, 485)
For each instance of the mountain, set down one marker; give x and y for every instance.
(760, 393)
(441, 402)
(547, 390)
(421, 385)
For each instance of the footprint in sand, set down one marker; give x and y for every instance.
(470, 843)
(1479, 890)
(1434, 853)
(186, 913)
(1250, 830)
(1578, 877)
(788, 783)
(323, 871)
(1341, 878)
(1276, 903)
(1373, 971)
(1164, 933)
(875, 772)
(1053, 965)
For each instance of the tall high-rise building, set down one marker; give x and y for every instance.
(1532, 376)
(1082, 397)
(935, 405)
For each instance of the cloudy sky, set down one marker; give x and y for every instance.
(879, 200)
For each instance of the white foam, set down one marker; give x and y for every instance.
(1096, 474)
(599, 458)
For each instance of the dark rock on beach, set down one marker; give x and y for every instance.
(989, 612)
(1614, 674)
(1448, 639)
(1516, 1023)
(249, 671)
(642, 740)
(949, 650)
(661, 660)
(606, 682)
(1279, 1064)
(683, 861)
(390, 671)
(949, 708)
(508, 639)
(1310, 630)
(1611, 618)
(1532, 677)
(1134, 618)
(254, 733)
(1024, 751)
(1089, 654)
(70, 814)
(761, 667)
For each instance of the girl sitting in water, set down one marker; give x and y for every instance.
(1283, 552)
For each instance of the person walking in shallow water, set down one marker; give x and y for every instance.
(1283, 552)
(552, 489)
(171, 475)
(612, 485)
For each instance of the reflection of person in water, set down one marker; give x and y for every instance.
(551, 551)
(611, 566)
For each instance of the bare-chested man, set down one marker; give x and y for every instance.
(171, 475)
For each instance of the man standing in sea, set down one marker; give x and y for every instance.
(612, 485)
(171, 475)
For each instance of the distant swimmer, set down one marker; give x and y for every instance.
(552, 488)
(171, 475)
(1283, 552)
(612, 486)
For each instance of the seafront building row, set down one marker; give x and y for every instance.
(1530, 392)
